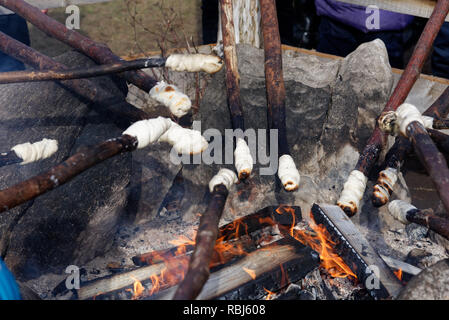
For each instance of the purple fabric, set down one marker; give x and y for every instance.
(356, 16)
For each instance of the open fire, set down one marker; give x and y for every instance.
(230, 246)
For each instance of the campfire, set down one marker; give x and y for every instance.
(173, 224)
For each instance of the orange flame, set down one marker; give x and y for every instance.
(137, 290)
(268, 297)
(176, 263)
(398, 274)
(251, 273)
(322, 243)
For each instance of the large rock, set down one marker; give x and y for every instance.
(331, 106)
(76, 221)
(430, 284)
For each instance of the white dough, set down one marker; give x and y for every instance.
(387, 177)
(185, 141)
(428, 122)
(287, 173)
(170, 96)
(406, 114)
(194, 63)
(353, 190)
(399, 209)
(397, 121)
(224, 176)
(31, 152)
(148, 131)
(243, 160)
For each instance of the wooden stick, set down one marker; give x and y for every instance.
(198, 271)
(274, 80)
(232, 71)
(62, 173)
(100, 53)
(432, 159)
(9, 158)
(243, 159)
(122, 112)
(273, 73)
(375, 143)
(95, 71)
(440, 139)
(384, 188)
(407, 213)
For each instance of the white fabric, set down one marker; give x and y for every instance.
(224, 176)
(194, 63)
(31, 152)
(353, 190)
(170, 96)
(148, 131)
(185, 141)
(242, 157)
(399, 209)
(287, 173)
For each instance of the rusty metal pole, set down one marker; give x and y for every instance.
(64, 172)
(376, 142)
(79, 73)
(383, 189)
(120, 111)
(100, 53)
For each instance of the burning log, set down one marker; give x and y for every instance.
(287, 171)
(357, 252)
(395, 156)
(283, 216)
(117, 282)
(122, 112)
(368, 157)
(29, 152)
(139, 135)
(198, 271)
(268, 267)
(411, 125)
(243, 158)
(407, 213)
(31, 76)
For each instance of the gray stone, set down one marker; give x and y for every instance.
(323, 104)
(430, 284)
(76, 221)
